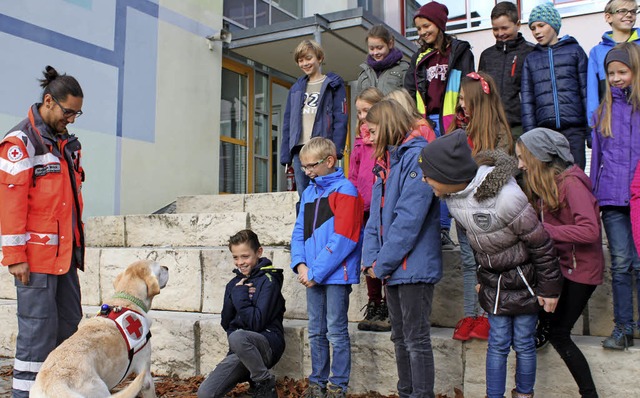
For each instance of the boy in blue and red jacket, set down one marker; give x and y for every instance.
(325, 253)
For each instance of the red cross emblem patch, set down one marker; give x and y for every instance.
(15, 153)
(133, 326)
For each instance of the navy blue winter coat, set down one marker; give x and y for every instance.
(260, 312)
(554, 86)
(331, 119)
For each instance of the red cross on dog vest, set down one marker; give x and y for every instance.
(133, 327)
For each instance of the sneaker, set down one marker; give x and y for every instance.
(315, 391)
(463, 328)
(447, 242)
(480, 328)
(381, 322)
(265, 388)
(370, 313)
(620, 339)
(334, 391)
(542, 334)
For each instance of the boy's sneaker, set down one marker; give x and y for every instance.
(381, 322)
(334, 391)
(463, 328)
(315, 391)
(542, 334)
(621, 338)
(480, 328)
(447, 242)
(370, 313)
(266, 388)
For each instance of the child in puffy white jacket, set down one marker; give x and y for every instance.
(518, 271)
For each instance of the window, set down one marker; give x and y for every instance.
(476, 14)
(246, 14)
(376, 7)
(234, 128)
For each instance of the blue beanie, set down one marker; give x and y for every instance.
(548, 14)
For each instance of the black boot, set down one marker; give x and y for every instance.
(266, 388)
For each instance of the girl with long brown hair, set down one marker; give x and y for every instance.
(561, 194)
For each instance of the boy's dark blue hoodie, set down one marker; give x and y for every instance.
(260, 312)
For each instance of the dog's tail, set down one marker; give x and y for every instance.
(132, 390)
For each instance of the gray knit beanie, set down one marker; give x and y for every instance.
(545, 144)
(448, 159)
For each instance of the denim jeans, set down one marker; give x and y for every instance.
(248, 358)
(327, 306)
(624, 262)
(573, 299)
(469, 275)
(445, 220)
(506, 331)
(302, 181)
(409, 311)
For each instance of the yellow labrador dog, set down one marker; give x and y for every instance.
(110, 346)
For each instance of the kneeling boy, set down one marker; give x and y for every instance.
(252, 317)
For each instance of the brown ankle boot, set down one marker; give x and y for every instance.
(515, 394)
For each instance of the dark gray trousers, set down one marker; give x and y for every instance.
(250, 353)
(409, 311)
(49, 311)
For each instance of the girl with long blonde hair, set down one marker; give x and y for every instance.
(614, 156)
(361, 162)
(402, 245)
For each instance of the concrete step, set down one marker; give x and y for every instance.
(197, 277)
(188, 229)
(164, 230)
(187, 344)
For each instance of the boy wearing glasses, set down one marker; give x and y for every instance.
(325, 253)
(621, 15)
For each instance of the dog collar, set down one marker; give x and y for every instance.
(131, 298)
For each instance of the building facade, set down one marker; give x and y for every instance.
(168, 112)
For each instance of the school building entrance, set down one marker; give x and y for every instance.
(257, 71)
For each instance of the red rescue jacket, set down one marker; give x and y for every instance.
(40, 197)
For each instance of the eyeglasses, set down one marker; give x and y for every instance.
(624, 11)
(66, 111)
(312, 166)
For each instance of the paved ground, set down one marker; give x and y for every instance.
(5, 377)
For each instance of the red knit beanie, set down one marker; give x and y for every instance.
(435, 12)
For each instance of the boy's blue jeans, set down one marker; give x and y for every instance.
(327, 306)
(409, 311)
(624, 262)
(302, 180)
(506, 331)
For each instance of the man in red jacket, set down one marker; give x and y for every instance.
(41, 223)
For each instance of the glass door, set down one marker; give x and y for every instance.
(235, 119)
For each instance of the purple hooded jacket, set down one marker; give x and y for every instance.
(614, 159)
